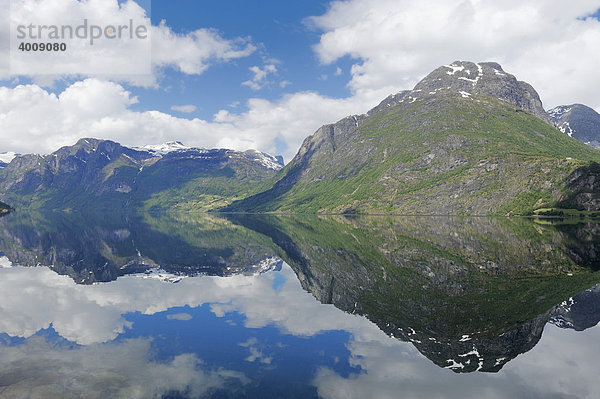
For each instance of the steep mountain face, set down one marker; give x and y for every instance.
(104, 174)
(578, 121)
(469, 139)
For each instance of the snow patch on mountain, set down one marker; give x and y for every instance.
(272, 264)
(566, 128)
(165, 148)
(454, 68)
(559, 111)
(268, 161)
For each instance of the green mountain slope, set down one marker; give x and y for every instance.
(103, 175)
(470, 139)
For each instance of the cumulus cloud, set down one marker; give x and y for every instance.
(186, 109)
(135, 60)
(33, 119)
(193, 52)
(41, 369)
(259, 80)
(550, 44)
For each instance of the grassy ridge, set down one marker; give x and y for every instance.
(438, 155)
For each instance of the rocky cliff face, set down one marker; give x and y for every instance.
(578, 121)
(469, 139)
(484, 78)
(104, 174)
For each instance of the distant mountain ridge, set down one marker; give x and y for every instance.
(468, 139)
(106, 175)
(578, 121)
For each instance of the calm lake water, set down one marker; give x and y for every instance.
(249, 306)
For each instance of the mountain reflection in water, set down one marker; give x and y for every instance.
(231, 305)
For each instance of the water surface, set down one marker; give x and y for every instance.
(236, 306)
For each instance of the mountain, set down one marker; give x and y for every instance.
(578, 121)
(102, 174)
(469, 139)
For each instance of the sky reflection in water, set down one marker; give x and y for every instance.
(253, 335)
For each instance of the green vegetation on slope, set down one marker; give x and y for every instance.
(188, 185)
(439, 155)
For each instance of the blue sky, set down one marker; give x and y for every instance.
(267, 74)
(277, 28)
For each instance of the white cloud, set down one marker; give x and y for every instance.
(186, 109)
(39, 369)
(255, 353)
(259, 80)
(192, 53)
(180, 317)
(397, 42)
(135, 61)
(33, 119)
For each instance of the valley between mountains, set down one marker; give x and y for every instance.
(469, 139)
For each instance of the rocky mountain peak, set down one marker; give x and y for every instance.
(467, 79)
(165, 148)
(481, 78)
(266, 160)
(578, 121)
